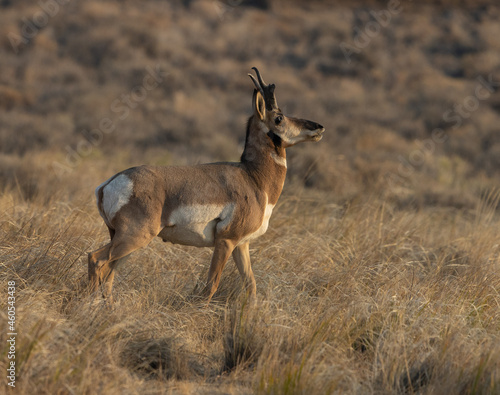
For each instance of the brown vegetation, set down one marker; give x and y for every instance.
(380, 270)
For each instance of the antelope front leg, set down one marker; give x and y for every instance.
(222, 251)
(241, 256)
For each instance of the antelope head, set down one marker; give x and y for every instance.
(290, 130)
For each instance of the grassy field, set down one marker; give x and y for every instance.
(360, 298)
(380, 271)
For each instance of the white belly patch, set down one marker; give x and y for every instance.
(115, 195)
(196, 225)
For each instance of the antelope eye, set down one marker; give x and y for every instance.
(278, 119)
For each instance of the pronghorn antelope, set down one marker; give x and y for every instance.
(223, 205)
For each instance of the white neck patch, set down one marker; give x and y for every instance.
(278, 159)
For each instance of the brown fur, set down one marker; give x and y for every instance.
(249, 185)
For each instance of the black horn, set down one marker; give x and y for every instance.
(267, 91)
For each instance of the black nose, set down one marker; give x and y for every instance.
(313, 125)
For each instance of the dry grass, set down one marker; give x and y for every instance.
(361, 298)
(363, 286)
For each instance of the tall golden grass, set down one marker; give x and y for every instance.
(358, 298)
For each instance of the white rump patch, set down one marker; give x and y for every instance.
(278, 159)
(115, 195)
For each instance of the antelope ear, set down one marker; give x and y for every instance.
(259, 105)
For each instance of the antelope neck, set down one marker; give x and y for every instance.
(264, 158)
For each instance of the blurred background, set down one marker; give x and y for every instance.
(409, 92)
